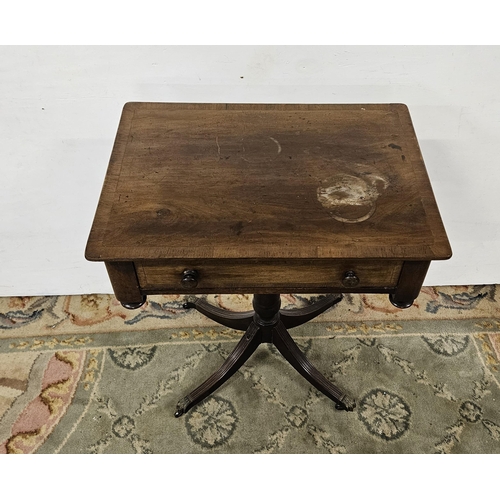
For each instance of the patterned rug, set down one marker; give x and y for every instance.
(81, 374)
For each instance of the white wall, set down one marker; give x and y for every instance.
(60, 106)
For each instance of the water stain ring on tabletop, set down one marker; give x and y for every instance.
(351, 198)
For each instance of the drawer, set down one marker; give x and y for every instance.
(267, 276)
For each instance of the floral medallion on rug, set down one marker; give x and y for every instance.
(81, 374)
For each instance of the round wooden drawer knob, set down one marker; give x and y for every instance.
(189, 278)
(350, 279)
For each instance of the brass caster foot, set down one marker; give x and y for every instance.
(347, 404)
(182, 406)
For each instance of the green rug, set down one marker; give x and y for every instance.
(80, 374)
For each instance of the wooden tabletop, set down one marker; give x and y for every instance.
(212, 181)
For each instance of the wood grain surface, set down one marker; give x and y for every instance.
(233, 181)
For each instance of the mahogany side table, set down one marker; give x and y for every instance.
(266, 199)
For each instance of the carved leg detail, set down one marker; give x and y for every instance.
(296, 317)
(267, 323)
(236, 320)
(288, 348)
(245, 348)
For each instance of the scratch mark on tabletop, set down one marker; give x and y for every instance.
(277, 144)
(218, 146)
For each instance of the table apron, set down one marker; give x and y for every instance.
(261, 276)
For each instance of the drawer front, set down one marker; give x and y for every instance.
(261, 276)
